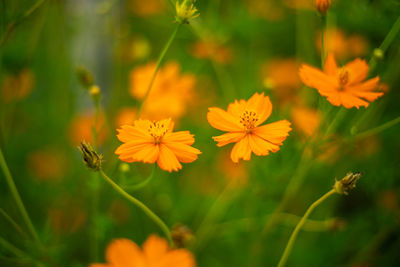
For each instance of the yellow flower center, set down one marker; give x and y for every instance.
(157, 130)
(248, 119)
(343, 77)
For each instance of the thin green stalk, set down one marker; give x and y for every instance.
(323, 29)
(11, 27)
(13, 223)
(17, 198)
(140, 205)
(390, 37)
(143, 183)
(335, 122)
(13, 249)
(292, 238)
(160, 58)
(377, 129)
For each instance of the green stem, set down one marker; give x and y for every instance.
(160, 58)
(11, 27)
(377, 129)
(292, 238)
(13, 223)
(13, 249)
(18, 199)
(323, 29)
(143, 183)
(140, 205)
(386, 43)
(335, 122)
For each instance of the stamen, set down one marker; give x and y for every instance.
(248, 119)
(343, 77)
(157, 130)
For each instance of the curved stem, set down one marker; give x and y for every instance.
(390, 37)
(377, 129)
(18, 199)
(142, 184)
(140, 205)
(160, 58)
(323, 31)
(292, 238)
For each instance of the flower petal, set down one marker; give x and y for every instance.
(313, 77)
(330, 67)
(184, 137)
(275, 132)
(178, 258)
(261, 147)
(262, 105)
(241, 150)
(349, 101)
(358, 69)
(222, 120)
(148, 154)
(155, 248)
(127, 133)
(124, 252)
(237, 108)
(167, 159)
(228, 138)
(184, 153)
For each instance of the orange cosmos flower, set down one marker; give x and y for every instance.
(149, 142)
(242, 120)
(342, 86)
(155, 253)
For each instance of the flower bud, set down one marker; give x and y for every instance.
(322, 5)
(181, 235)
(378, 53)
(95, 93)
(347, 183)
(85, 78)
(91, 158)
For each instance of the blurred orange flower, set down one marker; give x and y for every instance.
(18, 86)
(307, 120)
(149, 142)
(342, 45)
(280, 75)
(147, 8)
(47, 164)
(81, 129)
(342, 86)
(170, 92)
(125, 116)
(241, 121)
(268, 10)
(211, 50)
(155, 253)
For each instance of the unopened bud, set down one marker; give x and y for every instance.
(124, 167)
(378, 53)
(85, 78)
(90, 157)
(181, 235)
(347, 183)
(322, 5)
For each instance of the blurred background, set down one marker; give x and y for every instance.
(232, 50)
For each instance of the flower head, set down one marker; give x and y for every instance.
(153, 141)
(342, 86)
(347, 183)
(155, 252)
(90, 157)
(242, 122)
(185, 11)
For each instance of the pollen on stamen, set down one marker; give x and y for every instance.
(343, 77)
(157, 130)
(248, 119)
